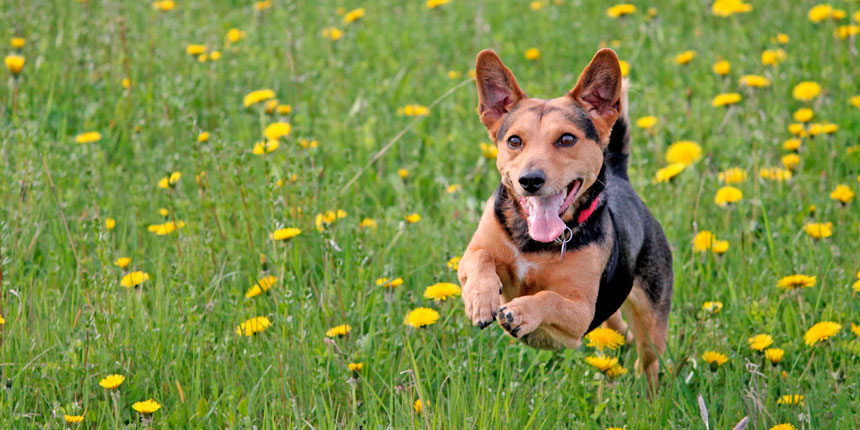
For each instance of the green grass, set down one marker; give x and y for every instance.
(69, 322)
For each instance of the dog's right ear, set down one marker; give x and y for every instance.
(497, 89)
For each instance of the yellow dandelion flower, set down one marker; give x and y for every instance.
(389, 283)
(234, 35)
(714, 358)
(284, 109)
(73, 419)
(15, 63)
(263, 5)
(760, 341)
(703, 241)
(532, 54)
(775, 173)
(821, 332)
(355, 367)
(195, 49)
(432, 4)
(856, 286)
(666, 173)
(112, 382)
(772, 57)
(646, 122)
(818, 230)
(166, 228)
(285, 233)
(733, 175)
(722, 67)
(164, 6)
(842, 193)
(536, 5)
(712, 307)
(790, 161)
(797, 129)
(368, 223)
(754, 81)
(277, 130)
(820, 12)
(17, 42)
(258, 96)
(728, 194)
(263, 148)
(88, 137)
(163, 212)
(806, 91)
(453, 263)
(774, 355)
(625, 68)
(332, 33)
(203, 137)
(601, 363)
(854, 327)
(110, 223)
(620, 10)
(169, 180)
(2, 320)
(215, 55)
(803, 115)
(790, 399)
(253, 326)
(421, 317)
(726, 99)
(442, 291)
(122, 262)
(418, 407)
(796, 281)
(262, 285)
(684, 151)
(791, 144)
(855, 101)
(726, 8)
(685, 57)
(785, 426)
(338, 331)
(413, 110)
(403, 173)
(489, 151)
(134, 279)
(616, 371)
(146, 407)
(353, 15)
(413, 218)
(453, 188)
(604, 337)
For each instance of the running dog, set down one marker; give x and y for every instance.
(565, 241)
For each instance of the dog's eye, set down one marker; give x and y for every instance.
(566, 140)
(514, 142)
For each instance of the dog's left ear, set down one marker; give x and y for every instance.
(599, 90)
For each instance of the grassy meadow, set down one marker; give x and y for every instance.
(121, 138)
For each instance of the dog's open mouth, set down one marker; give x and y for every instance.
(543, 213)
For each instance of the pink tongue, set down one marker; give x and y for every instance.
(544, 223)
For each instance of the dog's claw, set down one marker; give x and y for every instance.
(515, 331)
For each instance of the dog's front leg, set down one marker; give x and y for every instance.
(564, 319)
(482, 287)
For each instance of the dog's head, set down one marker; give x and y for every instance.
(550, 151)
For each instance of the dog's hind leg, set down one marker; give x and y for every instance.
(650, 330)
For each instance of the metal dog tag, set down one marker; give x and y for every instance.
(566, 237)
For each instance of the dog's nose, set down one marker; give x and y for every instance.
(532, 180)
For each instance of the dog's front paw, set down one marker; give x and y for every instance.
(482, 301)
(520, 316)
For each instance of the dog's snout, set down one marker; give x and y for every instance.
(532, 180)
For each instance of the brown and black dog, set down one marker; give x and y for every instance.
(565, 241)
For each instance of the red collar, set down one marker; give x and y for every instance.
(587, 213)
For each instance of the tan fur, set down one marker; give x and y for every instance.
(649, 332)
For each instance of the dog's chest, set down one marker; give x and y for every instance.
(526, 272)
